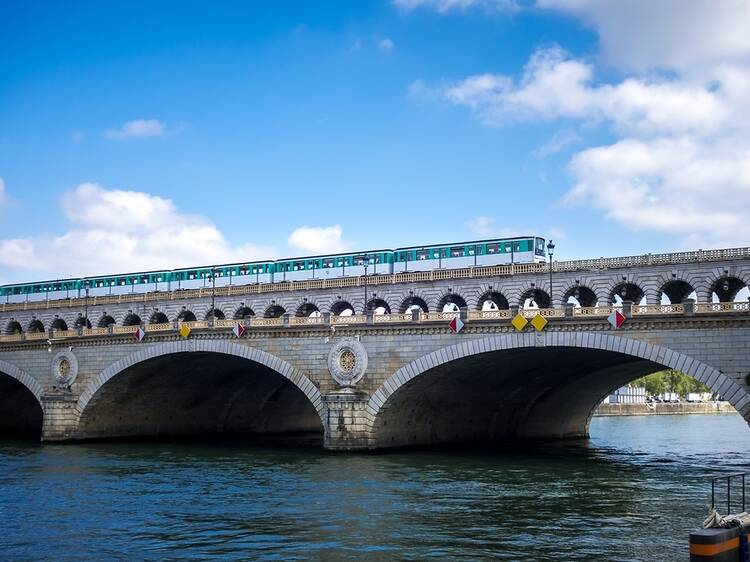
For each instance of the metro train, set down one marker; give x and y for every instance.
(524, 249)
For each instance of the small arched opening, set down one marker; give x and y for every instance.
(13, 327)
(274, 311)
(186, 315)
(626, 291)
(535, 298)
(580, 295)
(493, 300)
(35, 326)
(412, 303)
(342, 308)
(158, 317)
(725, 289)
(82, 322)
(244, 312)
(676, 291)
(131, 320)
(106, 321)
(451, 302)
(215, 314)
(307, 309)
(59, 324)
(379, 306)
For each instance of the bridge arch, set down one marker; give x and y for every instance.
(379, 306)
(21, 407)
(450, 302)
(581, 294)
(412, 302)
(158, 317)
(535, 295)
(339, 307)
(492, 300)
(676, 290)
(276, 381)
(13, 327)
(35, 326)
(243, 312)
(106, 321)
(526, 385)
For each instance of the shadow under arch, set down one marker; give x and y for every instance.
(195, 387)
(516, 386)
(21, 409)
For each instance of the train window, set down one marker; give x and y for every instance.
(456, 252)
(422, 254)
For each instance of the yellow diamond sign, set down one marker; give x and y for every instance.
(519, 322)
(539, 322)
(184, 331)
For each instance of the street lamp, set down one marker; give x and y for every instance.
(213, 296)
(365, 259)
(550, 251)
(86, 306)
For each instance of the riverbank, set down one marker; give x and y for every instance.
(664, 408)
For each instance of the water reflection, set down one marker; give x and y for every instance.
(632, 492)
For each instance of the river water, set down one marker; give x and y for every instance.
(632, 492)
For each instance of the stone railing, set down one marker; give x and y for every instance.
(598, 313)
(389, 279)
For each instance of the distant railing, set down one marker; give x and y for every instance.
(390, 279)
(598, 313)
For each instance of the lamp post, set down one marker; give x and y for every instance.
(213, 296)
(550, 251)
(86, 306)
(365, 261)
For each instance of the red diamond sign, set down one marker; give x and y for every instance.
(238, 330)
(617, 319)
(139, 334)
(456, 325)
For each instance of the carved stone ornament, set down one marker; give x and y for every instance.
(65, 368)
(347, 361)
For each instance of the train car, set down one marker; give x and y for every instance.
(523, 249)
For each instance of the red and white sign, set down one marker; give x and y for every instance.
(617, 319)
(456, 325)
(139, 334)
(238, 330)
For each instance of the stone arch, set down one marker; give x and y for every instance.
(412, 301)
(243, 312)
(21, 406)
(158, 317)
(498, 299)
(35, 326)
(274, 311)
(378, 303)
(626, 291)
(186, 315)
(106, 321)
(59, 324)
(218, 314)
(538, 295)
(341, 306)
(306, 308)
(676, 290)
(727, 286)
(585, 296)
(131, 319)
(450, 300)
(25, 379)
(13, 327)
(223, 347)
(641, 355)
(82, 322)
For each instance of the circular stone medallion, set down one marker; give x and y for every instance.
(65, 368)
(347, 361)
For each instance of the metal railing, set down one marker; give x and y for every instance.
(391, 279)
(729, 478)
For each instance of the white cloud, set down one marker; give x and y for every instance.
(444, 6)
(112, 230)
(140, 128)
(318, 239)
(676, 34)
(556, 143)
(680, 163)
(486, 227)
(386, 45)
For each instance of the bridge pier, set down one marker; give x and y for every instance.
(60, 416)
(347, 426)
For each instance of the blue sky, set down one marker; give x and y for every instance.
(141, 135)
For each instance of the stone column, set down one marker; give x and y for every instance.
(347, 422)
(60, 415)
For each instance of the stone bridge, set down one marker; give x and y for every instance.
(372, 380)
